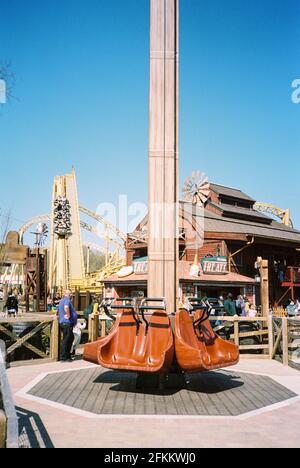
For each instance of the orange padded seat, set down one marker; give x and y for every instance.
(201, 350)
(148, 347)
(222, 353)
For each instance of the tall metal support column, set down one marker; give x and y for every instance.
(163, 245)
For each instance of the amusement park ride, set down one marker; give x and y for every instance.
(156, 337)
(66, 261)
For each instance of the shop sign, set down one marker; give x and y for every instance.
(140, 268)
(215, 266)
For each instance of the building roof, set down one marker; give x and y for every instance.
(230, 192)
(184, 275)
(276, 231)
(238, 220)
(238, 211)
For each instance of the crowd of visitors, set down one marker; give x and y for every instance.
(241, 307)
(293, 308)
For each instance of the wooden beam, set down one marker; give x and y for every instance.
(285, 342)
(163, 248)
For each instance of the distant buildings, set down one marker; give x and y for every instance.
(235, 235)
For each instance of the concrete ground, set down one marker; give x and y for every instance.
(46, 424)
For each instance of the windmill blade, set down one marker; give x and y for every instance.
(196, 188)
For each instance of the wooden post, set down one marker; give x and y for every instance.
(96, 327)
(278, 339)
(285, 341)
(163, 244)
(76, 299)
(2, 430)
(55, 340)
(265, 298)
(103, 328)
(271, 336)
(88, 298)
(236, 333)
(91, 325)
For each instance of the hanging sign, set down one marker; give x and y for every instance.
(140, 268)
(215, 266)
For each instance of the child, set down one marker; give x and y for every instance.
(77, 330)
(252, 311)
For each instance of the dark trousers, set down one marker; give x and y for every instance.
(67, 341)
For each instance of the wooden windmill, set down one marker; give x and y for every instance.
(196, 190)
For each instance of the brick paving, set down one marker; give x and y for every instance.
(51, 424)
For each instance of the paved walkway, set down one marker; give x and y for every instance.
(49, 424)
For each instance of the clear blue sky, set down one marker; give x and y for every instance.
(82, 72)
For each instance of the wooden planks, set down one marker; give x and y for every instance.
(220, 393)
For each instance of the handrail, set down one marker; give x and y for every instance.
(12, 433)
(235, 318)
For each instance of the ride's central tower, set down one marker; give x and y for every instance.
(163, 152)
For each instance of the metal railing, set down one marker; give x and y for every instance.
(12, 426)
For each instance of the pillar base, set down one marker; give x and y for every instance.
(160, 381)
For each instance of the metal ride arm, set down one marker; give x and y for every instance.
(144, 307)
(105, 305)
(131, 306)
(198, 304)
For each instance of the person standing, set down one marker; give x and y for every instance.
(230, 309)
(291, 309)
(240, 307)
(67, 321)
(297, 307)
(229, 306)
(12, 305)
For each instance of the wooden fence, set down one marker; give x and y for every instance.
(258, 329)
(9, 428)
(19, 334)
(287, 341)
(263, 333)
(260, 337)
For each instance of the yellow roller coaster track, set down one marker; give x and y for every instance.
(113, 260)
(283, 215)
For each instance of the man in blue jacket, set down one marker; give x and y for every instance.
(67, 321)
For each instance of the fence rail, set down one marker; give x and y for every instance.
(287, 341)
(10, 426)
(260, 339)
(37, 334)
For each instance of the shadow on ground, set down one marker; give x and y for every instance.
(32, 432)
(206, 383)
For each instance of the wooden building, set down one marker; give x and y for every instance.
(234, 236)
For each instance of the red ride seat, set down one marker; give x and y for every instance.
(90, 353)
(201, 350)
(148, 347)
(222, 353)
